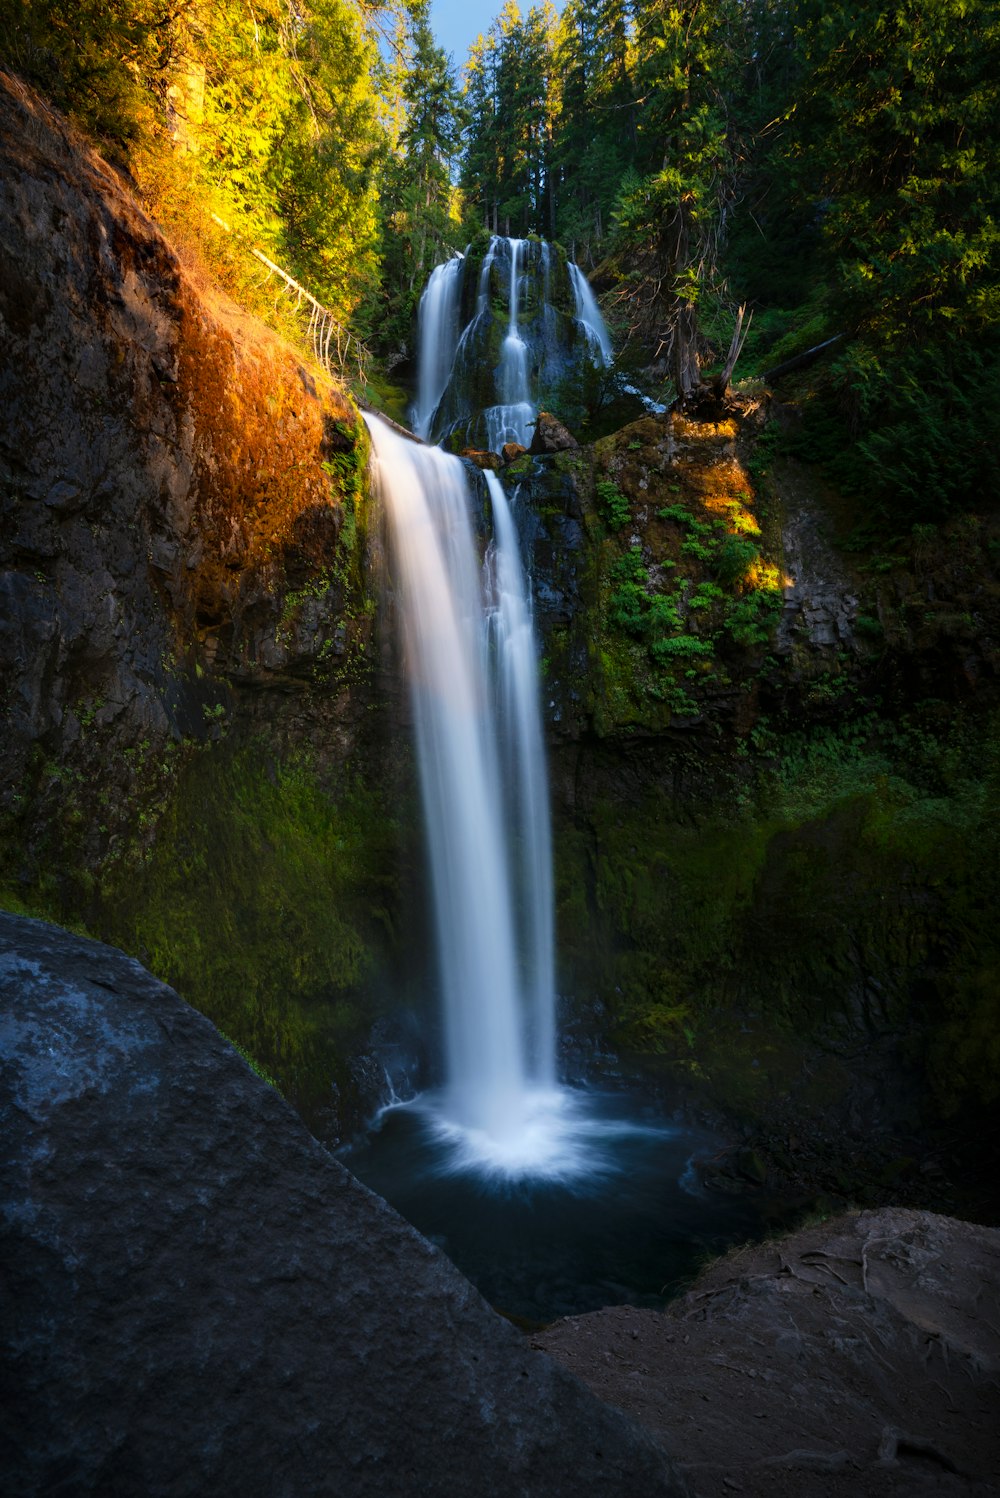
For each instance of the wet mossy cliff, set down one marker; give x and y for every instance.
(776, 778)
(193, 763)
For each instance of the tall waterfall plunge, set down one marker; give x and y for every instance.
(554, 1199)
(471, 661)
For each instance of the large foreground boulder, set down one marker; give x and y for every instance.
(198, 1299)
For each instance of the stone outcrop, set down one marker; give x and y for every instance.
(852, 1358)
(197, 1298)
(481, 458)
(550, 436)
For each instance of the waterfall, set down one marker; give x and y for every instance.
(470, 659)
(437, 339)
(526, 780)
(500, 1163)
(589, 314)
(532, 321)
(512, 419)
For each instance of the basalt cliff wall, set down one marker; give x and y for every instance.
(174, 481)
(199, 746)
(776, 787)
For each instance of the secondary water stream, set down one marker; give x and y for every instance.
(551, 1198)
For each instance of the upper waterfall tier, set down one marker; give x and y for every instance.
(524, 336)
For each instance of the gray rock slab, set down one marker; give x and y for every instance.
(196, 1298)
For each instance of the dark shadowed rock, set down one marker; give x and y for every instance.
(551, 436)
(856, 1359)
(198, 1299)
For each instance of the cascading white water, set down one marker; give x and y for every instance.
(589, 314)
(437, 339)
(478, 780)
(472, 661)
(526, 780)
(521, 346)
(512, 419)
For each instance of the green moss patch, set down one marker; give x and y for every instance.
(266, 903)
(845, 891)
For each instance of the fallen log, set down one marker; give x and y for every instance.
(800, 361)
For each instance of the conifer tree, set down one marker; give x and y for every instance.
(480, 160)
(507, 160)
(671, 218)
(420, 209)
(893, 144)
(578, 144)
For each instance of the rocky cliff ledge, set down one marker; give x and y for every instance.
(197, 1298)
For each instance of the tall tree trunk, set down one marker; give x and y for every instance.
(685, 364)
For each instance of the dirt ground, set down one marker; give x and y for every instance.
(848, 1360)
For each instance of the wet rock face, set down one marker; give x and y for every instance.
(198, 1298)
(169, 531)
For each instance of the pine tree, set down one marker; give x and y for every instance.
(481, 160)
(323, 165)
(671, 219)
(893, 145)
(507, 159)
(421, 219)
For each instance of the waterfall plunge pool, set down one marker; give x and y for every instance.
(595, 1201)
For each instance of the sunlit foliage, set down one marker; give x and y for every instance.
(264, 114)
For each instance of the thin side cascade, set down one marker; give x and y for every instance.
(498, 1046)
(437, 338)
(589, 314)
(525, 778)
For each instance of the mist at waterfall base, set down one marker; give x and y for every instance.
(552, 1199)
(628, 1222)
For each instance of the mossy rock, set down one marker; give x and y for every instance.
(269, 902)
